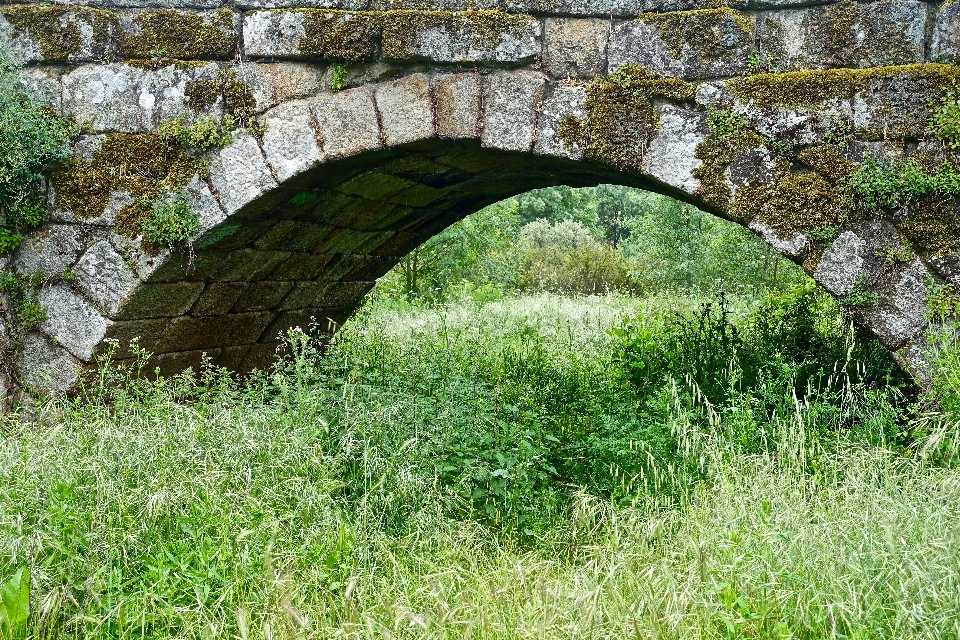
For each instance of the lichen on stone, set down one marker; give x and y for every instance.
(621, 116)
(716, 153)
(695, 29)
(180, 35)
(339, 35)
(238, 101)
(56, 30)
(403, 29)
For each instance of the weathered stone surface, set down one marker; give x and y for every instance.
(564, 101)
(158, 300)
(847, 34)
(105, 276)
(50, 250)
(186, 35)
(72, 321)
(346, 123)
(670, 156)
(188, 333)
(274, 34)
(43, 366)
(510, 102)
(240, 174)
(56, 34)
(903, 312)
(600, 8)
(274, 83)
(945, 46)
(118, 97)
(692, 45)
(458, 104)
(127, 336)
(406, 114)
(218, 298)
(290, 141)
(893, 103)
(466, 37)
(841, 264)
(319, 4)
(247, 264)
(575, 48)
(261, 296)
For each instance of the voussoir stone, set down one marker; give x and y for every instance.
(290, 141)
(49, 251)
(346, 123)
(563, 102)
(841, 264)
(510, 103)
(105, 276)
(670, 156)
(43, 366)
(240, 174)
(458, 104)
(406, 113)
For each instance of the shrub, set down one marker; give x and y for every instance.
(172, 221)
(33, 139)
(881, 183)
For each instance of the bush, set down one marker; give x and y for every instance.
(33, 140)
(172, 221)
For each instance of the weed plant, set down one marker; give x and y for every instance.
(515, 469)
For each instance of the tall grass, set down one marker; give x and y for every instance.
(429, 476)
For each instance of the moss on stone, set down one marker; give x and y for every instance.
(238, 100)
(933, 225)
(827, 161)
(696, 29)
(168, 33)
(139, 164)
(621, 116)
(804, 89)
(402, 30)
(793, 203)
(339, 35)
(56, 30)
(716, 153)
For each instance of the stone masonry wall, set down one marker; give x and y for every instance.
(366, 126)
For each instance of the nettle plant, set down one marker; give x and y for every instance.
(33, 139)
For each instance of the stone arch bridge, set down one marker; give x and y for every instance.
(362, 127)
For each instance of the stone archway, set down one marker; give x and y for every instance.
(325, 190)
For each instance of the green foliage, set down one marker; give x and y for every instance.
(881, 183)
(203, 135)
(945, 122)
(24, 296)
(14, 603)
(725, 123)
(861, 296)
(338, 77)
(173, 220)
(33, 140)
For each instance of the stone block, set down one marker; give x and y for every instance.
(45, 367)
(184, 35)
(458, 104)
(218, 298)
(301, 266)
(72, 321)
(57, 33)
(159, 300)
(600, 8)
(562, 102)
(43, 83)
(346, 123)
(273, 34)
(894, 103)
(274, 83)
(105, 276)
(841, 264)
(248, 264)
(290, 141)
(670, 156)
(231, 358)
(189, 333)
(406, 113)
(312, 34)
(240, 173)
(170, 364)
(847, 35)
(575, 48)
(510, 103)
(261, 296)
(945, 46)
(49, 250)
(685, 44)
(118, 97)
(262, 356)
(306, 295)
(128, 333)
(463, 37)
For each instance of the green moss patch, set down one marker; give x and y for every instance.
(621, 116)
(793, 203)
(57, 31)
(339, 35)
(166, 33)
(140, 164)
(699, 29)
(237, 97)
(827, 161)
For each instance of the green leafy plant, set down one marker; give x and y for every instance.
(945, 122)
(822, 235)
(725, 123)
(338, 78)
(25, 299)
(172, 221)
(860, 295)
(204, 134)
(881, 183)
(33, 140)
(14, 603)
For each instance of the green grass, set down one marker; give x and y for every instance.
(482, 471)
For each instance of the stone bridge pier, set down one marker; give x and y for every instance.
(360, 128)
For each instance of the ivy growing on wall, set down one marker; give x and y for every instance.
(33, 139)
